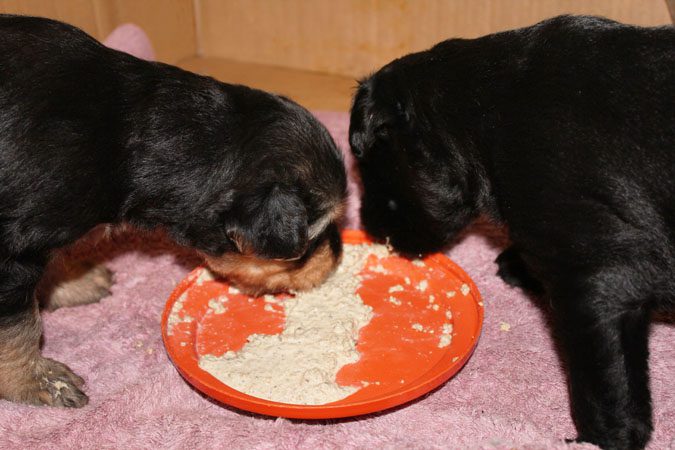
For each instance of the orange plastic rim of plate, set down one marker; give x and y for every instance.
(398, 363)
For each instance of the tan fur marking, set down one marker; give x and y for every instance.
(26, 376)
(331, 216)
(256, 276)
(72, 283)
(239, 242)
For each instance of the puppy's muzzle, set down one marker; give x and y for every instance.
(257, 276)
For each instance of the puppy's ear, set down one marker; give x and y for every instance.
(392, 118)
(376, 116)
(360, 118)
(271, 222)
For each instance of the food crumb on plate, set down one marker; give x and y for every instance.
(446, 336)
(271, 299)
(444, 341)
(217, 306)
(379, 269)
(233, 290)
(395, 301)
(175, 317)
(204, 275)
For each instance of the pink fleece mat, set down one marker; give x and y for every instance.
(510, 394)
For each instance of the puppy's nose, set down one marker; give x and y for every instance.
(392, 205)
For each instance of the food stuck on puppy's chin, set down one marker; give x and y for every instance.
(257, 276)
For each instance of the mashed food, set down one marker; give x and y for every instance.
(300, 364)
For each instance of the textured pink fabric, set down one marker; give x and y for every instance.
(131, 39)
(510, 394)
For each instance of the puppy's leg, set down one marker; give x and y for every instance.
(635, 343)
(514, 272)
(72, 283)
(605, 345)
(27, 376)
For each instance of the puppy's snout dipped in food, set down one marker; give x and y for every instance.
(279, 227)
(255, 276)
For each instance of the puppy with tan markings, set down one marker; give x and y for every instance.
(564, 132)
(90, 136)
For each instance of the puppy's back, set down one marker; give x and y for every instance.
(60, 101)
(599, 96)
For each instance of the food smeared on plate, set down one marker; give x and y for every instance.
(374, 330)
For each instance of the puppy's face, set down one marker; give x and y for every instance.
(257, 276)
(420, 188)
(266, 215)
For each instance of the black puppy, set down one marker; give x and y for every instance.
(565, 132)
(89, 135)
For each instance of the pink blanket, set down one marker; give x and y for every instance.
(510, 394)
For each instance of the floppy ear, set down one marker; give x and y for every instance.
(375, 117)
(271, 222)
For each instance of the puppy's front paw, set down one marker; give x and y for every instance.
(633, 435)
(60, 386)
(50, 383)
(513, 271)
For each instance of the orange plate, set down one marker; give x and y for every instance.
(398, 362)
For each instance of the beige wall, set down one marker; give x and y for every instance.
(169, 23)
(352, 37)
(348, 37)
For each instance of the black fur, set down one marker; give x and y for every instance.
(565, 132)
(90, 135)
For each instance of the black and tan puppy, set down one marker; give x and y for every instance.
(564, 132)
(89, 135)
